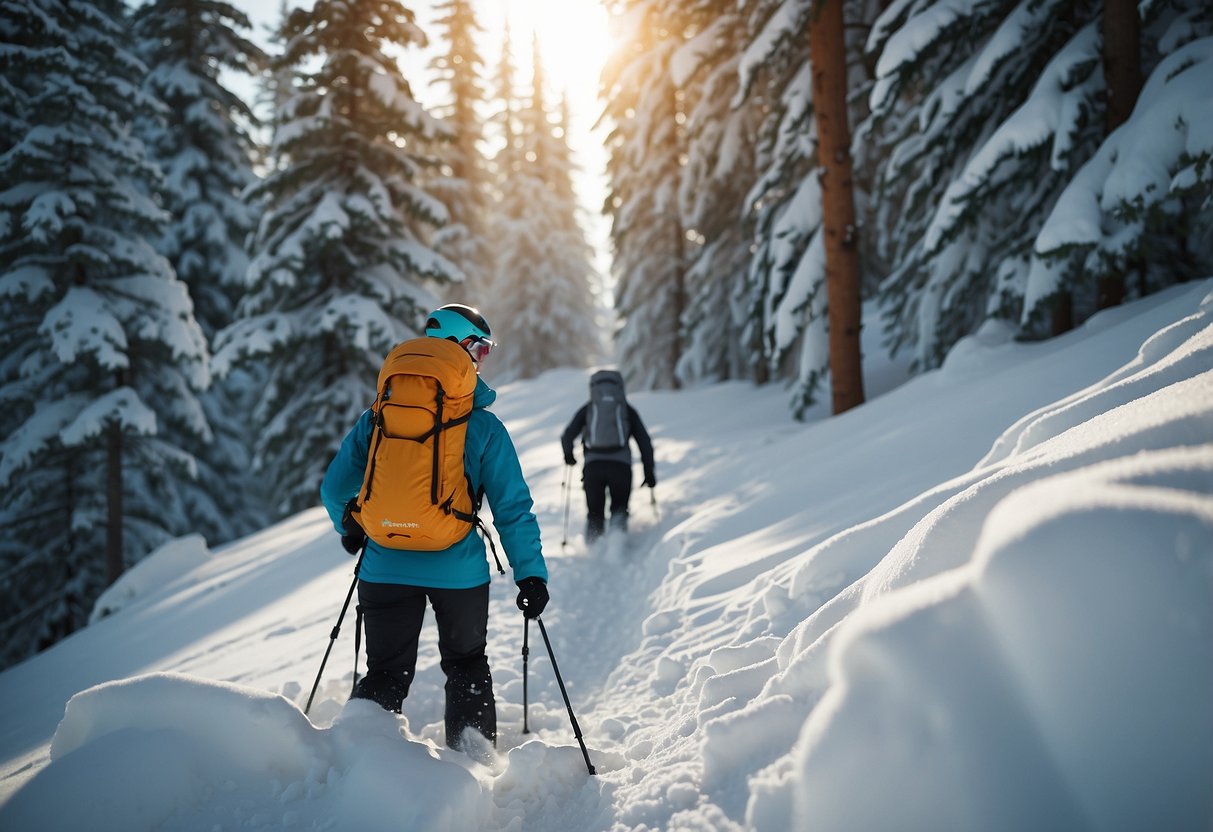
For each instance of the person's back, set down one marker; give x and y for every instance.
(605, 424)
(401, 568)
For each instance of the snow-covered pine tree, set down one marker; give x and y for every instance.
(342, 251)
(986, 111)
(102, 356)
(576, 256)
(277, 84)
(508, 158)
(786, 290)
(719, 172)
(1142, 206)
(463, 182)
(544, 308)
(646, 147)
(1006, 110)
(504, 119)
(204, 147)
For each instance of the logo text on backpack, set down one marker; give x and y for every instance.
(392, 524)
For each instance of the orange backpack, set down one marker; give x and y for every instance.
(415, 493)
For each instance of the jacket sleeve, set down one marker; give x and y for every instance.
(576, 426)
(344, 475)
(643, 442)
(510, 499)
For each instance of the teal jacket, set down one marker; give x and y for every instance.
(492, 464)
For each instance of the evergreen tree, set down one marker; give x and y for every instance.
(786, 278)
(464, 183)
(963, 187)
(644, 170)
(505, 163)
(721, 154)
(986, 111)
(203, 145)
(101, 355)
(205, 150)
(342, 252)
(544, 303)
(505, 211)
(1142, 205)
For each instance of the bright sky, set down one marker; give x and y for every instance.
(575, 39)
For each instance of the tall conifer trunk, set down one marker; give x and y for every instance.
(113, 501)
(827, 51)
(1121, 59)
(1122, 74)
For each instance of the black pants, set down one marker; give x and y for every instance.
(392, 616)
(599, 478)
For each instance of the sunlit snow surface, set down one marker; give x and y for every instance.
(983, 600)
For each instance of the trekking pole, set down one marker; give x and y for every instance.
(653, 502)
(526, 651)
(336, 630)
(566, 486)
(573, 719)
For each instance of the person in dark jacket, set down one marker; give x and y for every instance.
(394, 584)
(605, 424)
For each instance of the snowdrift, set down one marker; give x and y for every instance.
(982, 601)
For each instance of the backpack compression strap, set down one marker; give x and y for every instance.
(439, 426)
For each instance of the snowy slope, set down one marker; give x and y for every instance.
(982, 600)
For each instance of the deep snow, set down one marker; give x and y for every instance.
(983, 600)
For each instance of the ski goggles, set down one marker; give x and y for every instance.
(477, 346)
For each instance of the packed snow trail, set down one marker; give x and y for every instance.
(873, 621)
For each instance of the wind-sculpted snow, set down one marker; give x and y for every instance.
(172, 752)
(980, 601)
(1176, 352)
(1064, 715)
(983, 537)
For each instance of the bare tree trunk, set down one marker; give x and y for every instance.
(1121, 59)
(1122, 74)
(113, 498)
(1063, 313)
(827, 51)
(678, 276)
(679, 266)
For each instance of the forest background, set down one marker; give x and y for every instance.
(199, 275)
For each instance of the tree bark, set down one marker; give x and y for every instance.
(827, 52)
(1121, 59)
(114, 565)
(1122, 75)
(678, 267)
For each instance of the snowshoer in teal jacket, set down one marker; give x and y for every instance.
(395, 584)
(492, 463)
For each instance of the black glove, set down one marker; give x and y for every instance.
(532, 596)
(569, 459)
(354, 536)
(650, 478)
(353, 539)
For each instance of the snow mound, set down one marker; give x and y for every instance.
(157, 570)
(167, 751)
(1053, 720)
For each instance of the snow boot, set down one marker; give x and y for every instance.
(469, 701)
(384, 690)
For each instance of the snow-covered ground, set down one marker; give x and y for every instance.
(983, 600)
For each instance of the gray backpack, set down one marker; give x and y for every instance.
(606, 419)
